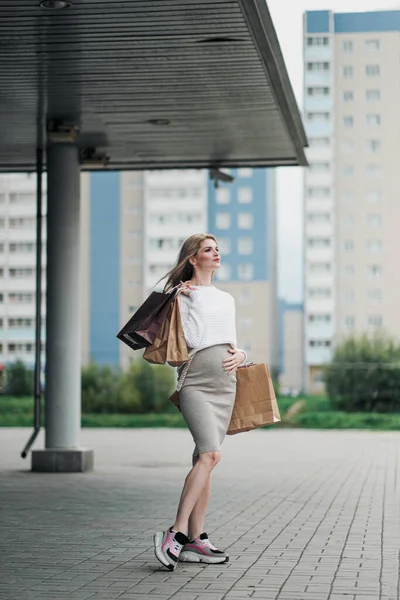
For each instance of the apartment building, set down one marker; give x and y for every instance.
(351, 210)
(242, 215)
(135, 222)
(18, 268)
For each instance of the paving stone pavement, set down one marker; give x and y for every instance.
(306, 515)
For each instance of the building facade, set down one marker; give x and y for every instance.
(135, 222)
(242, 215)
(351, 210)
(18, 268)
(290, 348)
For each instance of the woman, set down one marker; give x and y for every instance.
(207, 388)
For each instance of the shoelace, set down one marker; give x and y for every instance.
(208, 543)
(176, 546)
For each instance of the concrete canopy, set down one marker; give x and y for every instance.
(153, 83)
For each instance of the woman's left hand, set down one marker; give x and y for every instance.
(232, 363)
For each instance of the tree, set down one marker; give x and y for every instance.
(364, 375)
(99, 389)
(19, 379)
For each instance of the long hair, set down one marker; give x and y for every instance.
(183, 270)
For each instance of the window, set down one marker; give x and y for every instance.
(318, 116)
(317, 91)
(245, 172)
(349, 322)
(20, 298)
(374, 271)
(320, 343)
(22, 198)
(318, 66)
(223, 195)
(319, 242)
(245, 271)
(245, 195)
(319, 142)
(373, 170)
(319, 318)
(348, 121)
(348, 96)
(347, 46)
(372, 70)
(319, 217)
(320, 268)
(349, 221)
(347, 146)
(375, 321)
(349, 270)
(22, 247)
(373, 95)
(374, 221)
(224, 272)
(373, 196)
(245, 245)
(373, 145)
(348, 170)
(321, 292)
(245, 296)
(318, 192)
(245, 220)
(245, 322)
(374, 246)
(373, 120)
(348, 296)
(348, 72)
(20, 273)
(349, 245)
(22, 222)
(224, 245)
(348, 196)
(223, 220)
(374, 295)
(372, 45)
(318, 41)
(320, 167)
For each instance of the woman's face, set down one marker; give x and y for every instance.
(208, 257)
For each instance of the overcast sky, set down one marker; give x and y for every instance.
(287, 16)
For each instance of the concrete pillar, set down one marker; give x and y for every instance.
(63, 317)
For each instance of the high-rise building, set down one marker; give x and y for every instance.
(136, 222)
(351, 207)
(242, 215)
(18, 268)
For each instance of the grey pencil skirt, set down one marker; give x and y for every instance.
(207, 397)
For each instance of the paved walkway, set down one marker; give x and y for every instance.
(305, 515)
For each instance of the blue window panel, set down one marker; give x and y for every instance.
(259, 231)
(104, 267)
(317, 21)
(363, 22)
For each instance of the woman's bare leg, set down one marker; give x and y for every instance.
(196, 482)
(198, 514)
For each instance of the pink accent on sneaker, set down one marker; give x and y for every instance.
(198, 545)
(169, 538)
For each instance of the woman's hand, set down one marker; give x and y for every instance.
(186, 288)
(232, 363)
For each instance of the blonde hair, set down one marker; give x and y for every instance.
(183, 270)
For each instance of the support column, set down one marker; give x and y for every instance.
(62, 452)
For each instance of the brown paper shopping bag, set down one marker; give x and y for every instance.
(255, 402)
(169, 345)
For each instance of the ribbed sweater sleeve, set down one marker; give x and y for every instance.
(192, 323)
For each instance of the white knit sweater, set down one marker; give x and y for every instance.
(208, 318)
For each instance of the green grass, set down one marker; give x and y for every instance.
(314, 413)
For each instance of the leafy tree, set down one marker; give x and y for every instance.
(99, 389)
(364, 375)
(19, 379)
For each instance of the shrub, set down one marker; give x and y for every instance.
(365, 375)
(19, 379)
